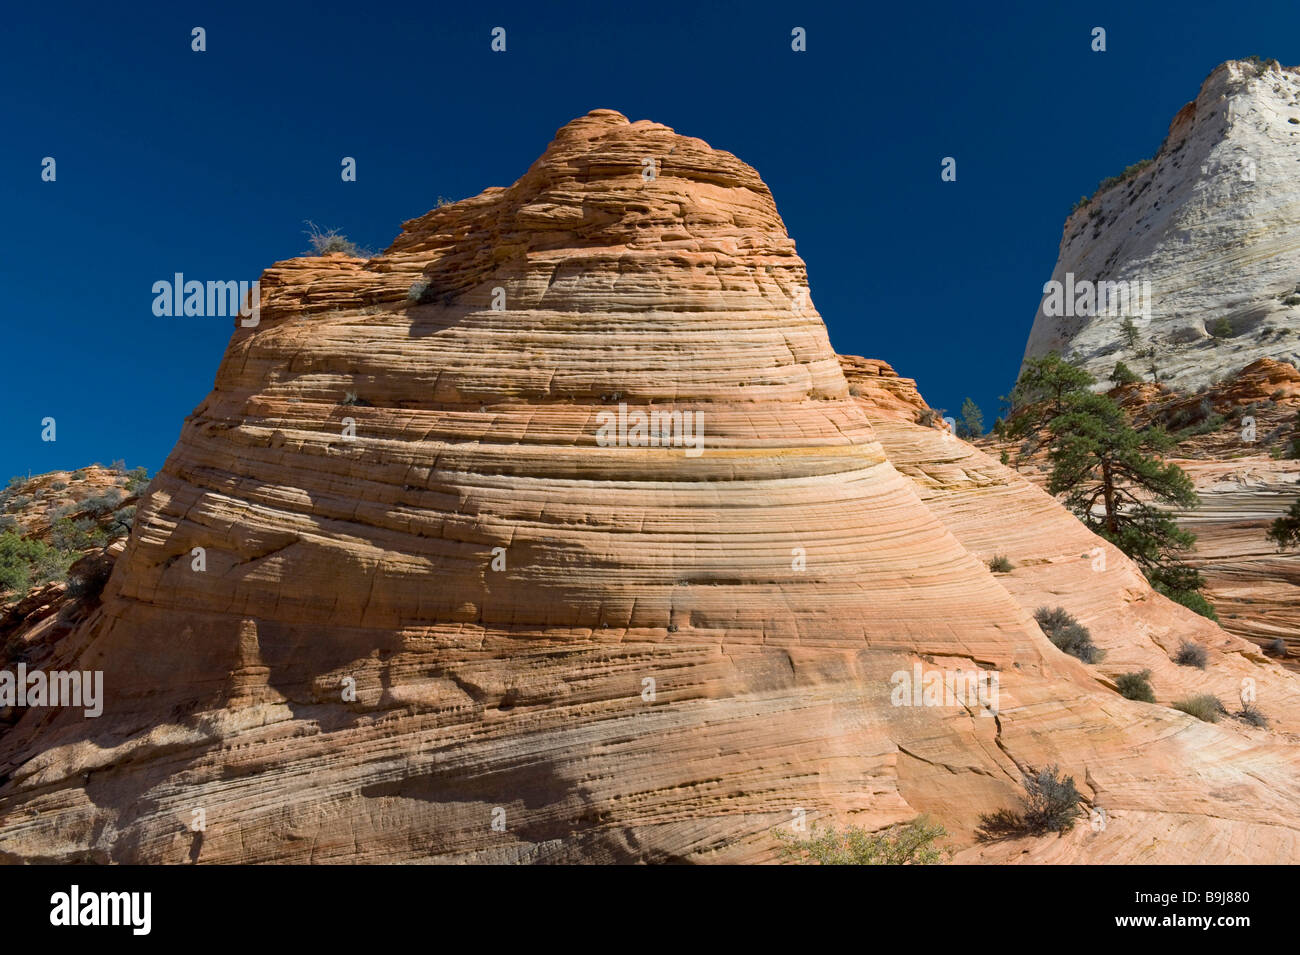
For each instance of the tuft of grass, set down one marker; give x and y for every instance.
(1136, 686)
(910, 844)
(1000, 565)
(1205, 707)
(1067, 634)
(1190, 655)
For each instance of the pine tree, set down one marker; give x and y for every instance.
(1123, 374)
(1129, 332)
(1152, 369)
(972, 420)
(1113, 477)
(1039, 396)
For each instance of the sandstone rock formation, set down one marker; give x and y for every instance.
(571, 648)
(1213, 224)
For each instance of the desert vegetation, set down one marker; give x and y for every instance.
(911, 844)
(1051, 803)
(1067, 634)
(1204, 706)
(1136, 686)
(1190, 655)
(326, 241)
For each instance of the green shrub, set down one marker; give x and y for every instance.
(120, 524)
(910, 844)
(1136, 686)
(101, 504)
(28, 563)
(1204, 707)
(1051, 804)
(74, 536)
(1190, 655)
(1000, 565)
(1277, 647)
(1220, 328)
(1068, 634)
(136, 479)
(1260, 64)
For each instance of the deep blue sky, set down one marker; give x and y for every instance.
(207, 163)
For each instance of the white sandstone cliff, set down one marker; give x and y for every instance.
(1213, 224)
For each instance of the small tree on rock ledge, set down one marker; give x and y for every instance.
(1285, 531)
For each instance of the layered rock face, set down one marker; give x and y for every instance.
(1212, 225)
(555, 533)
(1245, 480)
(1254, 587)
